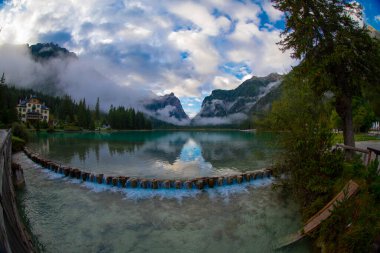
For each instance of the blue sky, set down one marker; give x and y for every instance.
(185, 47)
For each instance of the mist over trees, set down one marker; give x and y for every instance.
(67, 113)
(122, 118)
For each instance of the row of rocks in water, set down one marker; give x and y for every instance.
(132, 182)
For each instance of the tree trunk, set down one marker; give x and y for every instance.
(344, 109)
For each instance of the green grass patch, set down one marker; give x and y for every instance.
(70, 128)
(17, 144)
(338, 138)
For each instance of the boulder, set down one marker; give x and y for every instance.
(154, 184)
(188, 184)
(166, 184)
(108, 180)
(178, 184)
(123, 181)
(144, 183)
(200, 184)
(211, 182)
(99, 178)
(115, 181)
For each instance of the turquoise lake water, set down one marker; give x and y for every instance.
(159, 154)
(67, 215)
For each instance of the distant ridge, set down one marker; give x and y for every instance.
(234, 106)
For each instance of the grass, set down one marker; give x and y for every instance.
(338, 138)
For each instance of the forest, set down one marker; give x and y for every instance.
(67, 114)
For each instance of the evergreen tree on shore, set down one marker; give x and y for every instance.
(336, 52)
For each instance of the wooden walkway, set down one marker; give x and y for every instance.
(349, 189)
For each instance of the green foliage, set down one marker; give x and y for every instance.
(71, 128)
(121, 118)
(97, 110)
(338, 138)
(363, 115)
(17, 144)
(8, 113)
(67, 113)
(336, 53)
(354, 223)
(44, 124)
(19, 130)
(307, 161)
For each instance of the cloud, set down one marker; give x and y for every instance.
(149, 46)
(273, 14)
(202, 53)
(76, 77)
(164, 114)
(231, 119)
(377, 18)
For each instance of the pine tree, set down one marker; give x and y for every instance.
(336, 52)
(2, 80)
(97, 110)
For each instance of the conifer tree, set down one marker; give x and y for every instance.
(336, 52)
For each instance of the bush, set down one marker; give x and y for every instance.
(19, 130)
(17, 144)
(307, 161)
(51, 129)
(71, 128)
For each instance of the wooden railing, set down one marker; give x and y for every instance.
(13, 234)
(367, 153)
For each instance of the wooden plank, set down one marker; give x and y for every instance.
(348, 190)
(376, 151)
(365, 151)
(13, 234)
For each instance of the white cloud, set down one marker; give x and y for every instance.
(200, 16)
(260, 52)
(203, 55)
(226, 82)
(231, 119)
(377, 18)
(139, 43)
(273, 14)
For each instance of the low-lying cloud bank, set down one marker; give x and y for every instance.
(66, 75)
(232, 119)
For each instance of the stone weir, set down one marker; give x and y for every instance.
(143, 183)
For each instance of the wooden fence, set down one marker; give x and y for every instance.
(14, 237)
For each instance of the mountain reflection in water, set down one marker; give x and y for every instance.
(159, 154)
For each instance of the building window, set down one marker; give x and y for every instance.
(38, 106)
(23, 109)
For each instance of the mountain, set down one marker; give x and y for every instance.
(233, 106)
(55, 71)
(373, 32)
(167, 108)
(46, 51)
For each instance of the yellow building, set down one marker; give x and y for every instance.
(32, 109)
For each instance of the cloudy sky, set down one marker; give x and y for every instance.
(185, 47)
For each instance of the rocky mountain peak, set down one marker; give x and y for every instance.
(167, 108)
(232, 106)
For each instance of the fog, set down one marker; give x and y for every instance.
(67, 75)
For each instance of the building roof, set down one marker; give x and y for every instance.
(23, 102)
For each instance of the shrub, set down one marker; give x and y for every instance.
(71, 128)
(19, 130)
(17, 144)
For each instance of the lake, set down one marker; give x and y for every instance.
(67, 215)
